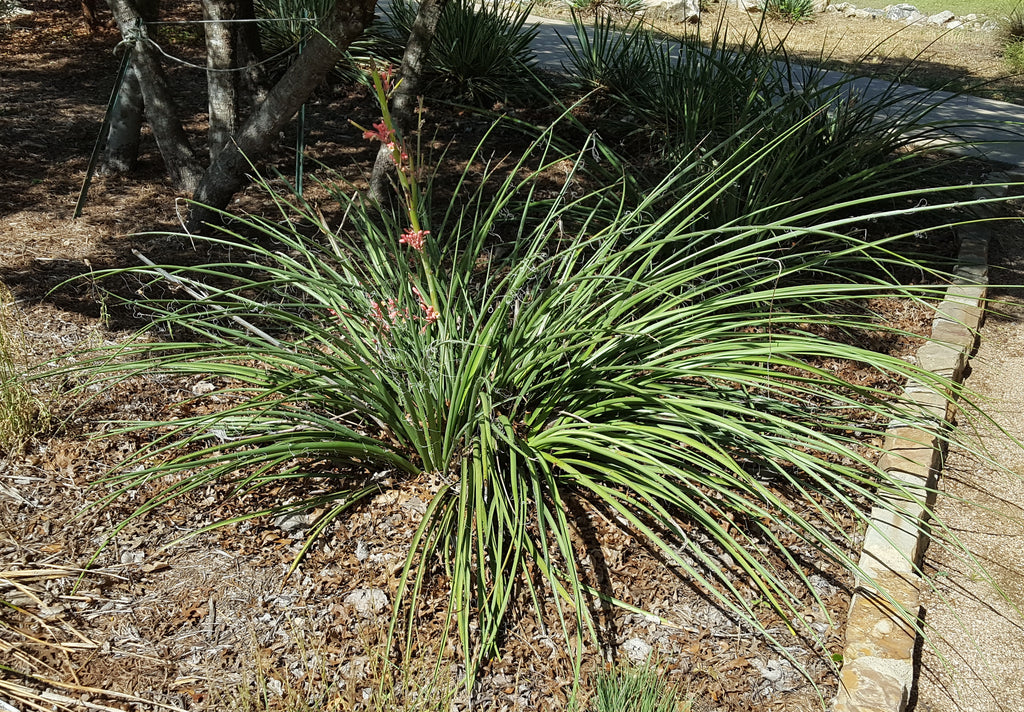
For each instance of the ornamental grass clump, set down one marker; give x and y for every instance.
(24, 411)
(1013, 38)
(481, 53)
(694, 98)
(521, 350)
(792, 11)
(640, 688)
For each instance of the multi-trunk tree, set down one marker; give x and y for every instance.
(245, 121)
(145, 85)
(233, 143)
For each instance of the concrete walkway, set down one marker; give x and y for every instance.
(995, 128)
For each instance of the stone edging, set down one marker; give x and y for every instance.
(878, 661)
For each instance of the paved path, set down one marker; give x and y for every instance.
(977, 663)
(995, 127)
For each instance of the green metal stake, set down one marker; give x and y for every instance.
(100, 140)
(300, 149)
(300, 138)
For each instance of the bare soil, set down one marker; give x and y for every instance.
(214, 621)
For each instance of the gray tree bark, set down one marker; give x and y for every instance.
(403, 101)
(227, 173)
(125, 132)
(221, 79)
(160, 108)
(250, 52)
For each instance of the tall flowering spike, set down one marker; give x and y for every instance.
(430, 315)
(413, 238)
(387, 77)
(380, 133)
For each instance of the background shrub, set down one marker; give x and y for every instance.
(615, 8)
(790, 10)
(1014, 54)
(704, 103)
(481, 53)
(1013, 27)
(1013, 38)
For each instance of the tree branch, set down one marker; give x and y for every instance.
(227, 173)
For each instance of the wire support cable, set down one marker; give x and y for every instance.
(237, 21)
(192, 65)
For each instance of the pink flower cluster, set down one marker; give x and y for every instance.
(413, 238)
(387, 77)
(429, 313)
(388, 314)
(381, 133)
(394, 314)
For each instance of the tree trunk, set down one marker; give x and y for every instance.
(250, 52)
(160, 109)
(227, 173)
(125, 132)
(221, 81)
(403, 102)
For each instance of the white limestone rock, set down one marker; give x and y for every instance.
(941, 18)
(899, 12)
(367, 601)
(685, 11)
(637, 650)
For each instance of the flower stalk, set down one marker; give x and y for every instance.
(416, 234)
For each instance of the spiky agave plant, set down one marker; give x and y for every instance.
(480, 54)
(665, 373)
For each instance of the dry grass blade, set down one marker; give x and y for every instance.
(28, 675)
(23, 413)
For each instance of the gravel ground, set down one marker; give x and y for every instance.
(976, 663)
